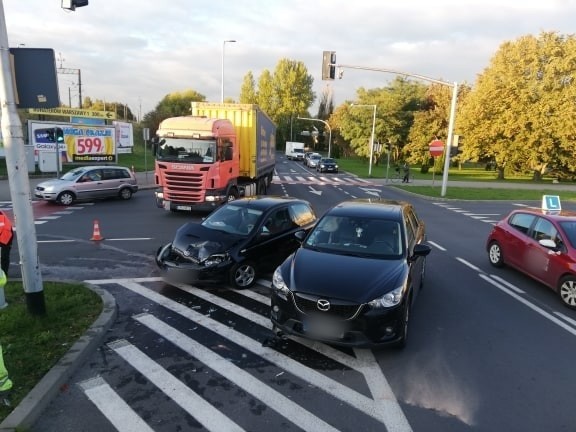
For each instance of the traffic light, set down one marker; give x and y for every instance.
(52, 135)
(73, 4)
(454, 148)
(329, 65)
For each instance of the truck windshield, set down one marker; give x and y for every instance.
(187, 150)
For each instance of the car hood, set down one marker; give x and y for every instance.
(344, 277)
(52, 183)
(198, 242)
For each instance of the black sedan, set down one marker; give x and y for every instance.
(355, 277)
(237, 242)
(327, 165)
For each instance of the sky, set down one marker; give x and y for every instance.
(138, 51)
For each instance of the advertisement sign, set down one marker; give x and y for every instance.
(124, 137)
(81, 144)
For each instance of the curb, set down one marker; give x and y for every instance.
(35, 402)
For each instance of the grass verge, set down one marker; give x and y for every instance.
(32, 345)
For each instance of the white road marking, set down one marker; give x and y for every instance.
(376, 408)
(193, 404)
(278, 402)
(118, 412)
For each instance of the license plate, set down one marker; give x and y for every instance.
(181, 207)
(323, 328)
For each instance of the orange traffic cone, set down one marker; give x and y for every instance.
(96, 233)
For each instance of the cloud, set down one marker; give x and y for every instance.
(137, 52)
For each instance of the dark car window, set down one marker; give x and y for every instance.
(115, 173)
(522, 221)
(302, 214)
(279, 221)
(570, 230)
(544, 229)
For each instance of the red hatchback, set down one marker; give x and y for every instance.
(541, 245)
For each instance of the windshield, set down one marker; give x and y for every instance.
(186, 150)
(73, 174)
(233, 219)
(373, 238)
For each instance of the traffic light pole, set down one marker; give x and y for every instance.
(15, 154)
(454, 86)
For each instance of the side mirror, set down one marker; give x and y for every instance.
(300, 235)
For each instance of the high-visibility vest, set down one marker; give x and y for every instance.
(6, 230)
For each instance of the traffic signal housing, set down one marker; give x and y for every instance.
(328, 65)
(73, 4)
(454, 148)
(55, 135)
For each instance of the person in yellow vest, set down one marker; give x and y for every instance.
(6, 237)
(5, 381)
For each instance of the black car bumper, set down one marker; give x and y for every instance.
(190, 273)
(367, 328)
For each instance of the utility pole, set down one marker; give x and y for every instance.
(75, 72)
(18, 180)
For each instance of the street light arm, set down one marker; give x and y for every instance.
(329, 131)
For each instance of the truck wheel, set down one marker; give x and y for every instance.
(262, 188)
(232, 195)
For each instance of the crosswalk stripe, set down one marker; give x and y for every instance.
(385, 410)
(278, 402)
(116, 410)
(193, 404)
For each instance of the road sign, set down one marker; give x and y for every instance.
(436, 148)
(76, 112)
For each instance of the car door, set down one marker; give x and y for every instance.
(516, 239)
(89, 186)
(543, 263)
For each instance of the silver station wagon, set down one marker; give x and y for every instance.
(88, 183)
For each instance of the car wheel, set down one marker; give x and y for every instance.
(243, 275)
(65, 198)
(126, 193)
(495, 254)
(401, 343)
(567, 291)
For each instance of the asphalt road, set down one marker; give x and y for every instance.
(489, 349)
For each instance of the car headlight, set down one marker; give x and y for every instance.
(390, 299)
(215, 259)
(279, 284)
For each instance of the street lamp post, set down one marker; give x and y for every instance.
(329, 131)
(223, 48)
(372, 138)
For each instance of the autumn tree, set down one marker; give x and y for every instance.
(172, 105)
(248, 94)
(283, 95)
(521, 109)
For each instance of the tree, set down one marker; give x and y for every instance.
(172, 105)
(283, 95)
(521, 109)
(248, 94)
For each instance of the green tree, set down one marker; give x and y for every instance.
(248, 94)
(172, 105)
(520, 111)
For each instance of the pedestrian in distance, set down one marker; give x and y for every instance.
(406, 170)
(6, 237)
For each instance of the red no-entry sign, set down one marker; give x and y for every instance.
(436, 148)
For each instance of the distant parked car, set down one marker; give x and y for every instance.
(237, 242)
(86, 183)
(356, 276)
(327, 165)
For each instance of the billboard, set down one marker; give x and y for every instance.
(77, 144)
(124, 137)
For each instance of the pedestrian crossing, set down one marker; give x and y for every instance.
(334, 180)
(212, 357)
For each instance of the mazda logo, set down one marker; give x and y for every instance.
(323, 305)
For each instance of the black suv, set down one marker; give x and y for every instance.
(355, 277)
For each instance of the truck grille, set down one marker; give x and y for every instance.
(183, 186)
